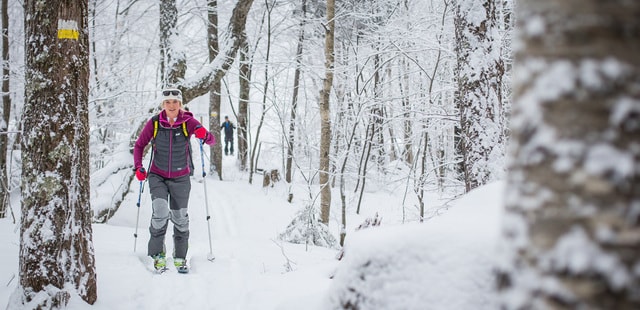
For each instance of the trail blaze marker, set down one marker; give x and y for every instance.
(68, 29)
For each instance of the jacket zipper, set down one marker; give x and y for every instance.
(170, 151)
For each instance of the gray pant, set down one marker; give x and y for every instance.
(176, 191)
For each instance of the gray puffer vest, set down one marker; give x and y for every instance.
(172, 151)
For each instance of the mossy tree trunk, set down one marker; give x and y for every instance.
(56, 248)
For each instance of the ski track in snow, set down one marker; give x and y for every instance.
(223, 230)
(246, 267)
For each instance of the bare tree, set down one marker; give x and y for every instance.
(294, 100)
(243, 105)
(265, 89)
(571, 230)
(215, 70)
(325, 116)
(174, 63)
(214, 93)
(6, 113)
(56, 248)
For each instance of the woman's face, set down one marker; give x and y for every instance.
(172, 107)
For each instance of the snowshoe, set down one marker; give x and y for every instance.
(181, 265)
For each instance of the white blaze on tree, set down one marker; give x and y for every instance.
(572, 237)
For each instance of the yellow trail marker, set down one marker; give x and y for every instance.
(68, 29)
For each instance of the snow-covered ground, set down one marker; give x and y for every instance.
(444, 263)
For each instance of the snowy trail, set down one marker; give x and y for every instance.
(250, 266)
(229, 288)
(248, 270)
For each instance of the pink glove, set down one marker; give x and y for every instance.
(141, 174)
(200, 132)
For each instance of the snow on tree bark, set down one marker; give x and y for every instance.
(294, 97)
(325, 115)
(243, 104)
(244, 85)
(214, 93)
(6, 113)
(173, 64)
(572, 238)
(56, 248)
(478, 71)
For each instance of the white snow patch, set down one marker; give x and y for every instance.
(599, 161)
(576, 253)
(534, 26)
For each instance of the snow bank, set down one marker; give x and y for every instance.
(445, 263)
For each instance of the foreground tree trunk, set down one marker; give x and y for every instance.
(325, 115)
(56, 248)
(573, 196)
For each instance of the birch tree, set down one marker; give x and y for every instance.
(325, 116)
(573, 196)
(56, 249)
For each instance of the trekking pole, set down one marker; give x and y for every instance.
(206, 201)
(135, 234)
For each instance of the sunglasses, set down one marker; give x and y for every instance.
(173, 92)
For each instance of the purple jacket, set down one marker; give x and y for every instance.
(171, 153)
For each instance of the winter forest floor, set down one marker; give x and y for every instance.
(252, 269)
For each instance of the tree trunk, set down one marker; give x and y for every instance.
(571, 230)
(325, 115)
(407, 122)
(6, 113)
(422, 179)
(243, 105)
(364, 162)
(294, 100)
(393, 141)
(56, 248)
(377, 113)
(477, 96)
(255, 150)
(173, 65)
(214, 93)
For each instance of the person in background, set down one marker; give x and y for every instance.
(228, 127)
(169, 182)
